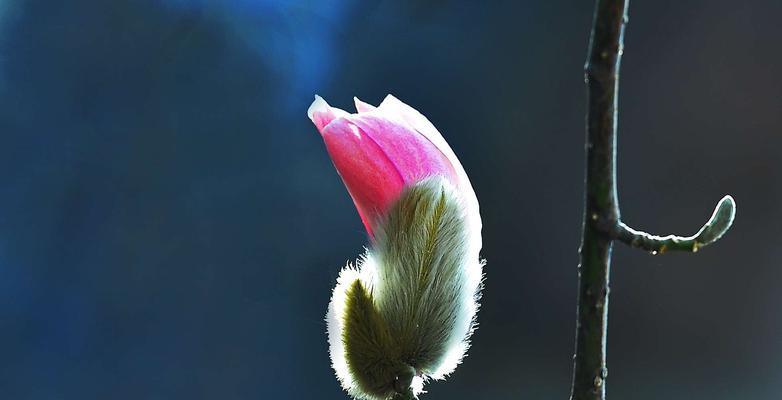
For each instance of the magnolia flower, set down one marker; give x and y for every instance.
(405, 312)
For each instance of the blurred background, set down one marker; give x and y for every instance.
(171, 226)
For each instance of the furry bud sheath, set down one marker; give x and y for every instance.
(405, 312)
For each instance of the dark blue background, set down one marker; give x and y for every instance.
(171, 225)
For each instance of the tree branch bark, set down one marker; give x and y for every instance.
(601, 203)
(601, 221)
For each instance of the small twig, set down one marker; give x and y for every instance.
(718, 224)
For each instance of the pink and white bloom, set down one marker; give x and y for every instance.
(406, 311)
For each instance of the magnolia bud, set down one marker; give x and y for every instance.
(406, 311)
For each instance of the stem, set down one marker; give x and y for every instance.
(408, 395)
(602, 207)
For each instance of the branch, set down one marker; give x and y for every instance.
(718, 224)
(601, 204)
(601, 220)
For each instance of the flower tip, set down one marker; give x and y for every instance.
(361, 106)
(321, 113)
(390, 100)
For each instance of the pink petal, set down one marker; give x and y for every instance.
(414, 156)
(371, 177)
(394, 108)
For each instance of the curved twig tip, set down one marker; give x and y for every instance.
(719, 223)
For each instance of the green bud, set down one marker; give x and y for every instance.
(406, 313)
